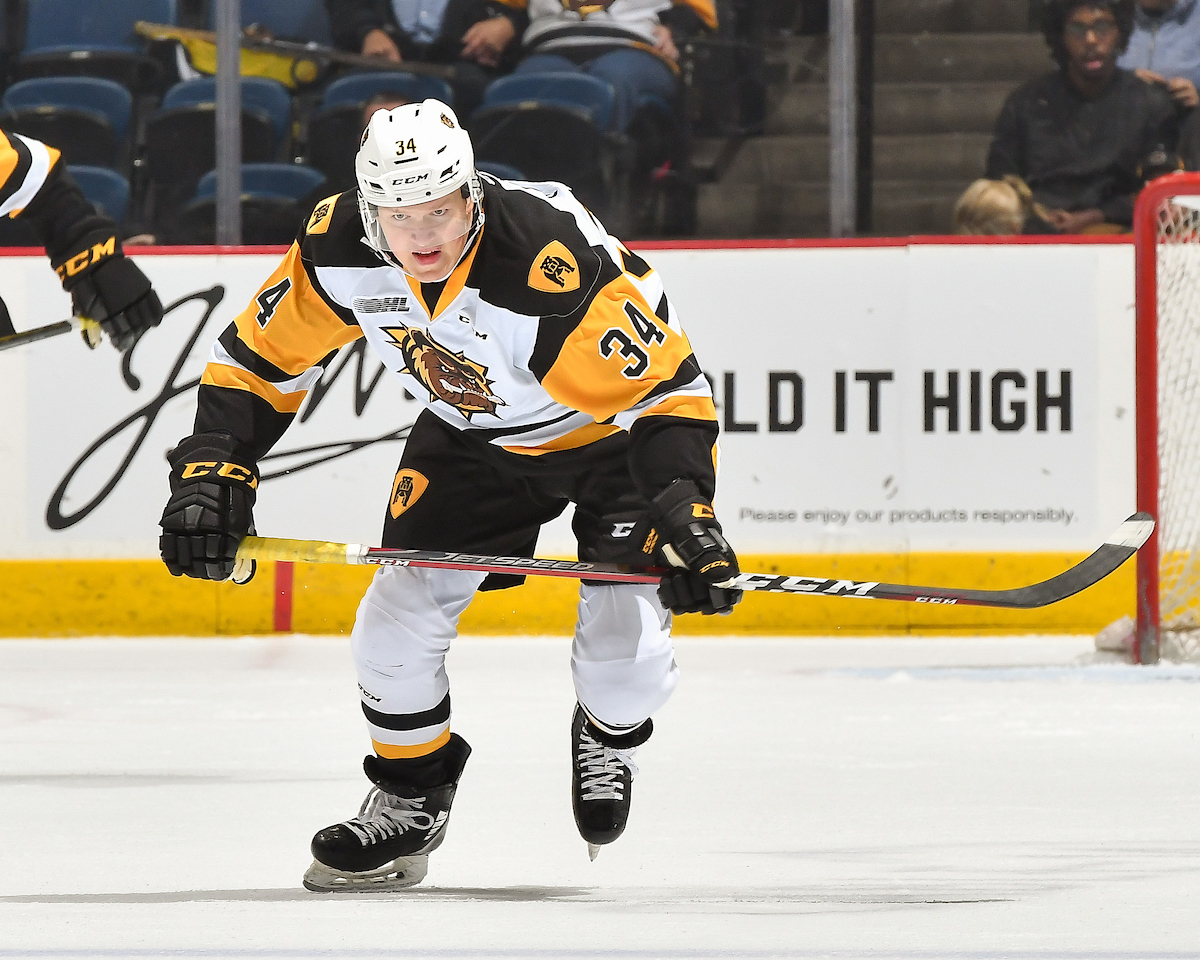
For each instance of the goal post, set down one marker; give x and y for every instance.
(1167, 358)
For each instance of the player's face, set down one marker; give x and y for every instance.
(428, 238)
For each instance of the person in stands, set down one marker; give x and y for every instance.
(474, 36)
(1164, 48)
(1079, 135)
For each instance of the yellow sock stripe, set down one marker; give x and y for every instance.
(392, 751)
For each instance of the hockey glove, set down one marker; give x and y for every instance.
(690, 538)
(211, 508)
(108, 287)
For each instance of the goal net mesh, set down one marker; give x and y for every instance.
(1178, 335)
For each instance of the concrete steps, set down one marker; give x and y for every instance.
(943, 69)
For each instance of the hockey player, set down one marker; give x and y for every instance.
(82, 244)
(553, 370)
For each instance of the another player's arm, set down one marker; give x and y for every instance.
(627, 361)
(258, 374)
(82, 244)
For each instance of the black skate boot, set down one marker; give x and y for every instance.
(402, 820)
(602, 778)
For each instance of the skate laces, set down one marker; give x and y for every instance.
(385, 815)
(600, 769)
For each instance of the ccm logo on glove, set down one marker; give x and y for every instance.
(86, 258)
(231, 471)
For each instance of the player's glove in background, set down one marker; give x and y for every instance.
(211, 507)
(108, 287)
(691, 540)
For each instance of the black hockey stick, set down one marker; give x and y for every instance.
(1118, 548)
(90, 328)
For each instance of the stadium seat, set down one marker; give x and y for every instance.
(335, 129)
(578, 91)
(276, 197)
(92, 38)
(269, 97)
(180, 139)
(302, 20)
(105, 189)
(550, 127)
(87, 118)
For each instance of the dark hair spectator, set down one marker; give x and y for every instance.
(383, 100)
(475, 36)
(1079, 136)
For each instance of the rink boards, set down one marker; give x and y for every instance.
(934, 412)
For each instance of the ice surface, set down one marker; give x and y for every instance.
(975, 798)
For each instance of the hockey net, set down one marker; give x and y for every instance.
(1167, 234)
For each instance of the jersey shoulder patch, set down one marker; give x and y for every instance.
(333, 234)
(322, 216)
(554, 269)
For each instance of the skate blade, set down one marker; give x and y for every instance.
(593, 851)
(400, 873)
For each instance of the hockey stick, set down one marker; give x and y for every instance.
(90, 328)
(1122, 545)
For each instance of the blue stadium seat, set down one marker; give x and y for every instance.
(578, 91)
(92, 38)
(105, 189)
(304, 20)
(87, 118)
(556, 126)
(258, 93)
(284, 181)
(357, 88)
(276, 198)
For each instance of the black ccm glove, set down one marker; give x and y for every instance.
(109, 288)
(690, 538)
(211, 508)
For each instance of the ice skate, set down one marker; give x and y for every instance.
(602, 778)
(402, 821)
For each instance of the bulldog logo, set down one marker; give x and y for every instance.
(554, 269)
(450, 377)
(406, 491)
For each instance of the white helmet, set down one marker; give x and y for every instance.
(414, 153)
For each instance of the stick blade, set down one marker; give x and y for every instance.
(1133, 532)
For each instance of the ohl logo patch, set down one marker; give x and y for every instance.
(406, 491)
(449, 377)
(554, 270)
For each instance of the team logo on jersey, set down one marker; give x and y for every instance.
(450, 377)
(406, 491)
(554, 270)
(322, 215)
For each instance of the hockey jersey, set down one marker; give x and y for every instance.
(549, 335)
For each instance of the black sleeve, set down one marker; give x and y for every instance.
(60, 214)
(1007, 152)
(665, 449)
(351, 20)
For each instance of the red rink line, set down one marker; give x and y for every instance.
(820, 243)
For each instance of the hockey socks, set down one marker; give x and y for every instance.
(602, 777)
(401, 821)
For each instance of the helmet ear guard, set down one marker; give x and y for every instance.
(411, 155)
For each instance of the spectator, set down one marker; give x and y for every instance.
(1164, 48)
(473, 35)
(1078, 135)
(999, 208)
(628, 43)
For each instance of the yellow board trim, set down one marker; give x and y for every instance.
(71, 598)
